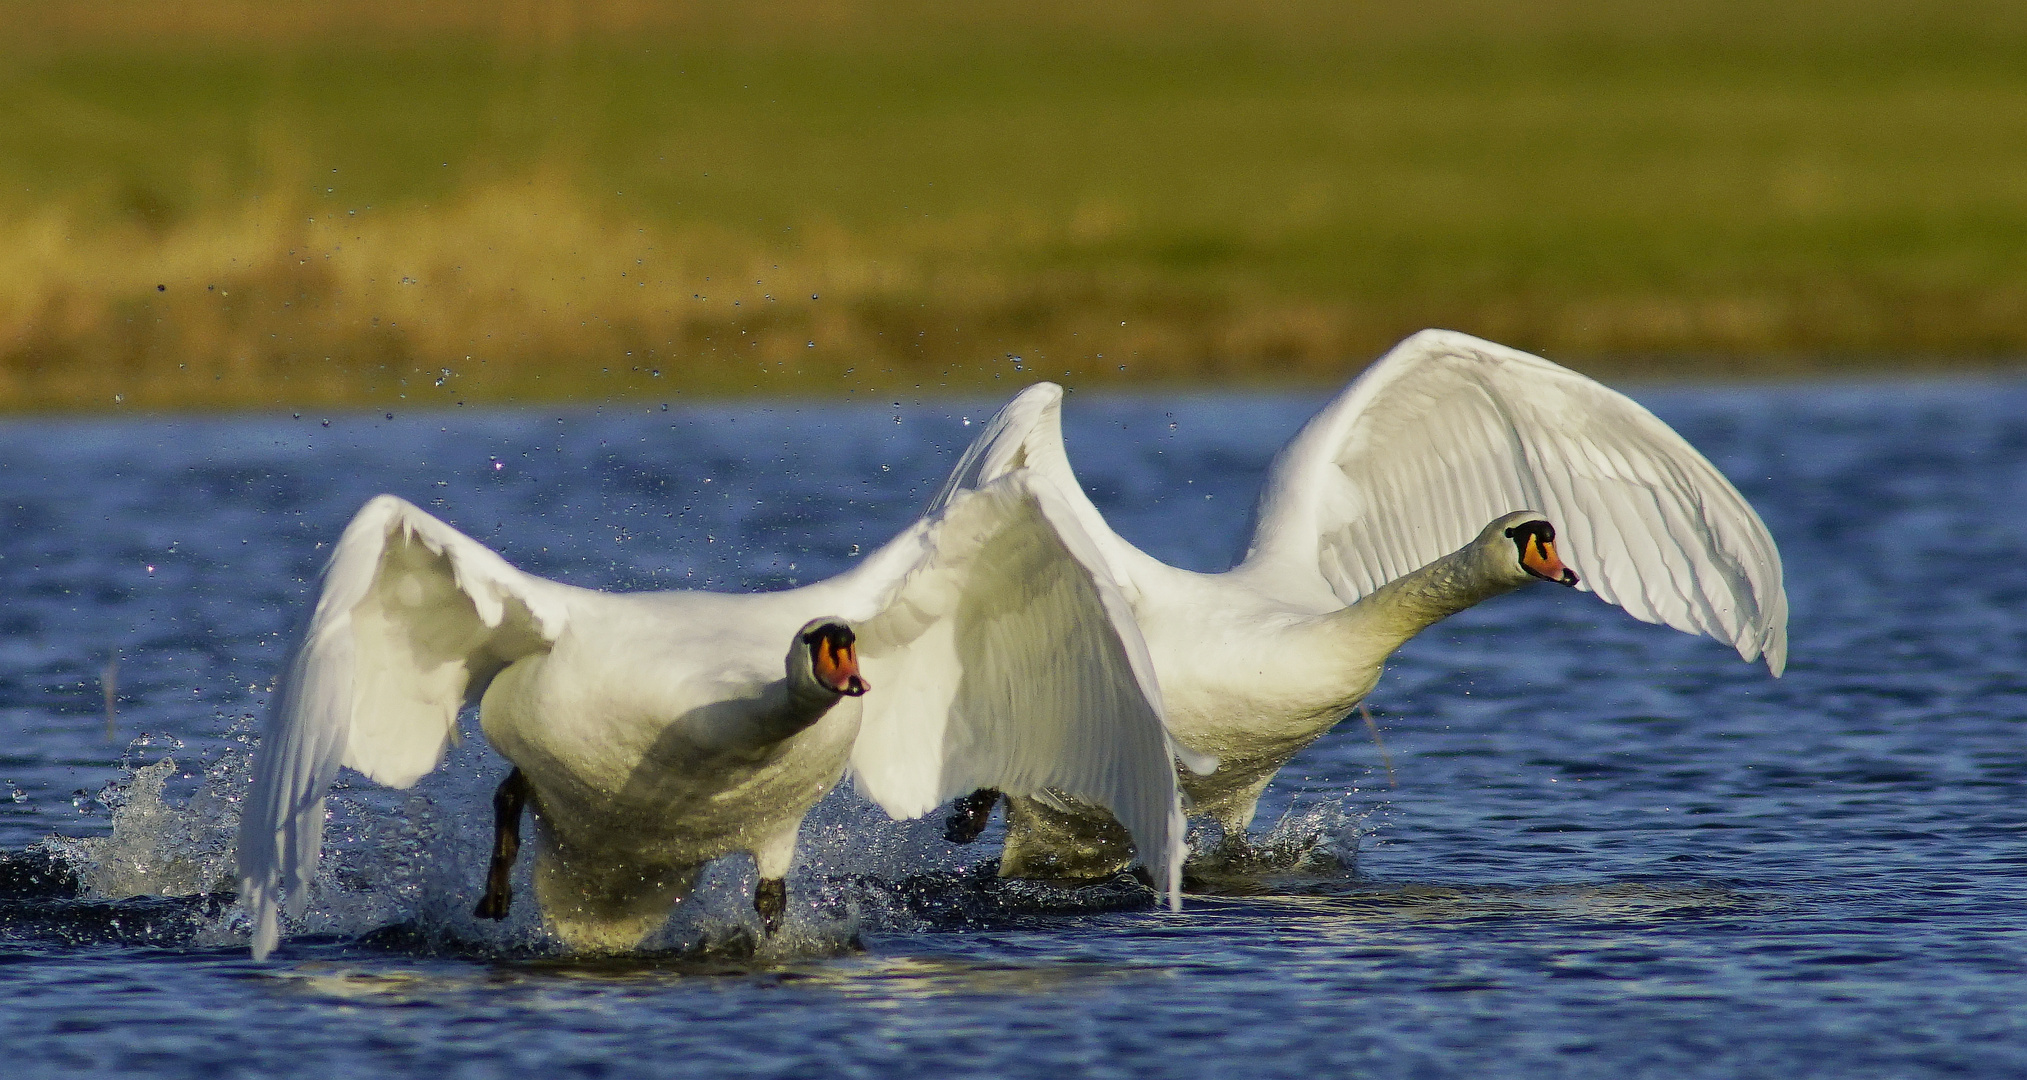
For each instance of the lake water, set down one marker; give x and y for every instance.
(1589, 847)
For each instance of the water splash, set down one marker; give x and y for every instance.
(1313, 845)
(157, 848)
(402, 870)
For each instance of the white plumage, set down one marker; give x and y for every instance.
(1443, 434)
(661, 730)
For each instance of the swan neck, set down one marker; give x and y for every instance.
(1413, 602)
(788, 708)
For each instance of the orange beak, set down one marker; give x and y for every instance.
(1540, 560)
(837, 668)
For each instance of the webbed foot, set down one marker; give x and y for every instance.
(770, 899)
(508, 801)
(970, 815)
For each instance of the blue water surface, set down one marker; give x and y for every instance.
(1587, 847)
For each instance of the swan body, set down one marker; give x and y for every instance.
(1373, 526)
(654, 732)
(647, 767)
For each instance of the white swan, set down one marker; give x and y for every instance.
(1365, 536)
(654, 732)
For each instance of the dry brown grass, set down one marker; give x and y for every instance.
(523, 290)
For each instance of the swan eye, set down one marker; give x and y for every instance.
(837, 635)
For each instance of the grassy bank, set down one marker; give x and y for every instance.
(261, 204)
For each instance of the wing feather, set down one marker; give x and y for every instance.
(1027, 433)
(1447, 432)
(1008, 658)
(414, 619)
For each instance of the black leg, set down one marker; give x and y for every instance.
(770, 899)
(508, 802)
(969, 817)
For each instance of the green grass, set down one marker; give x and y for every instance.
(1739, 188)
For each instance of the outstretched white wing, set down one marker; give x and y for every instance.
(414, 619)
(1027, 433)
(1007, 658)
(1447, 432)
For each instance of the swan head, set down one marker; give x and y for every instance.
(1533, 540)
(825, 655)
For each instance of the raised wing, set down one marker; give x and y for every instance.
(1447, 432)
(1027, 433)
(1007, 658)
(415, 618)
